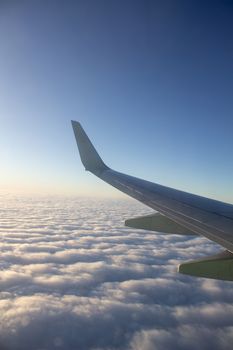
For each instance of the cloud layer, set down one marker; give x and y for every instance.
(73, 277)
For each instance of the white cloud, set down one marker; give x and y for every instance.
(72, 277)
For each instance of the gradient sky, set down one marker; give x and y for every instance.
(150, 81)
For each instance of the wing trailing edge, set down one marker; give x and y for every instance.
(219, 266)
(159, 223)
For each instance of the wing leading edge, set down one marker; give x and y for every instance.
(207, 217)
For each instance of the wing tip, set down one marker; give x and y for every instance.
(89, 156)
(73, 122)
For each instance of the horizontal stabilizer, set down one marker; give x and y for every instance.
(159, 223)
(89, 156)
(218, 266)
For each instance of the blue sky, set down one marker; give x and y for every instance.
(150, 81)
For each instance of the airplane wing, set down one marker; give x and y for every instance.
(178, 212)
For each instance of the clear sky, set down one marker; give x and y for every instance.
(150, 81)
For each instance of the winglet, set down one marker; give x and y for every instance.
(89, 156)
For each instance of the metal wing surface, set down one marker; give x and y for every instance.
(199, 215)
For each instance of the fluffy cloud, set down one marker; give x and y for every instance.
(73, 277)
